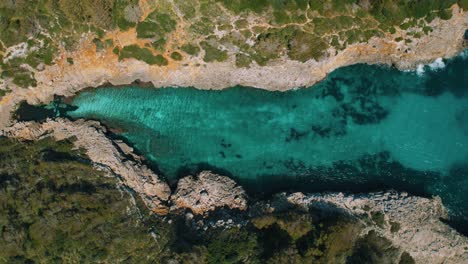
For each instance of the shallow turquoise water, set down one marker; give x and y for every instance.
(364, 127)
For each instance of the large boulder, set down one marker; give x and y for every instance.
(207, 192)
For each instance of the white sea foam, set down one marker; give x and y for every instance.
(464, 53)
(420, 70)
(437, 64)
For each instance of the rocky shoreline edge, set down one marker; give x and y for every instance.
(210, 200)
(94, 69)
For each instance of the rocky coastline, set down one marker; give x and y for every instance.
(94, 69)
(409, 222)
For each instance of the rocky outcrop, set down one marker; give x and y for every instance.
(90, 136)
(411, 223)
(207, 192)
(200, 194)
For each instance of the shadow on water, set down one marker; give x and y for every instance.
(39, 113)
(342, 177)
(27, 112)
(363, 178)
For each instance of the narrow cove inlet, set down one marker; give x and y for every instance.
(363, 128)
(234, 131)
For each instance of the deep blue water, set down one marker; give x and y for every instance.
(363, 128)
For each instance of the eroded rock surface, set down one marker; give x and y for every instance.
(207, 192)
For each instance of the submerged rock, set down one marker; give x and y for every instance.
(207, 192)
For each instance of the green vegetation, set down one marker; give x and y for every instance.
(338, 23)
(243, 61)
(46, 24)
(394, 227)
(378, 218)
(126, 13)
(374, 249)
(286, 237)
(55, 207)
(235, 245)
(191, 49)
(213, 53)
(176, 56)
(24, 79)
(300, 29)
(155, 25)
(3, 93)
(406, 259)
(143, 54)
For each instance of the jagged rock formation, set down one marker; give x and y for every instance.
(411, 223)
(207, 192)
(200, 194)
(90, 136)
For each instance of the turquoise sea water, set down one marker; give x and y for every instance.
(363, 128)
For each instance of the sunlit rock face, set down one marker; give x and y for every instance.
(208, 192)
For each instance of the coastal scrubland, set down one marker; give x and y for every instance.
(56, 206)
(32, 33)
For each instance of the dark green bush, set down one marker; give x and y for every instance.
(55, 207)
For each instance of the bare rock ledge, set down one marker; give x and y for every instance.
(207, 192)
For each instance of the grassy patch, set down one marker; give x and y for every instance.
(157, 24)
(24, 79)
(120, 14)
(176, 56)
(373, 249)
(190, 49)
(234, 245)
(212, 53)
(303, 47)
(3, 93)
(143, 54)
(243, 61)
